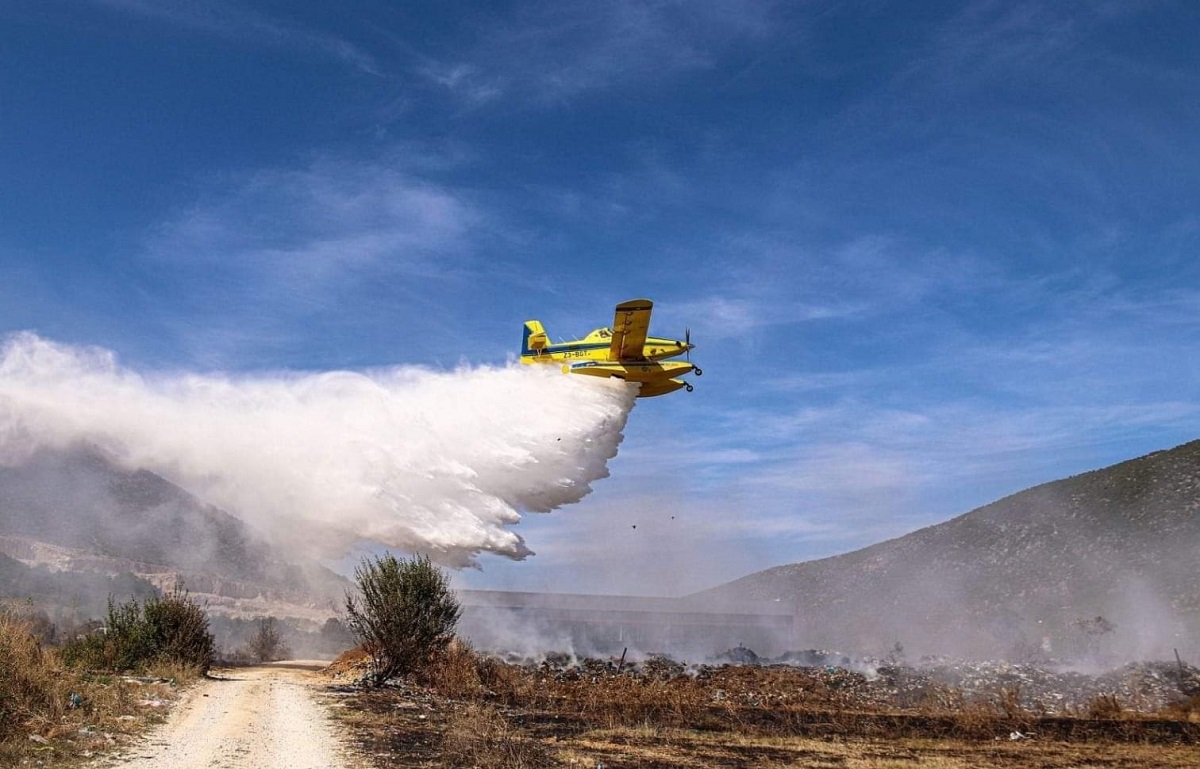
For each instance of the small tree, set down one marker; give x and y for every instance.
(266, 645)
(404, 613)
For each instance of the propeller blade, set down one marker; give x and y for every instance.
(687, 343)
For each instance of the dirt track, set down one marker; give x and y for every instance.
(245, 719)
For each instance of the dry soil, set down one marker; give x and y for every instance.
(245, 718)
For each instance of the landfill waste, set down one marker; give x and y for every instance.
(739, 655)
(1042, 689)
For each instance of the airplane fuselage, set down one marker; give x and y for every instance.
(623, 352)
(596, 346)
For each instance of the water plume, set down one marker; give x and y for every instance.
(420, 460)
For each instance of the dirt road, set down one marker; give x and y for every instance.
(248, 718)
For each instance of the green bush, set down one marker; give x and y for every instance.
(179, 628)
(404, 614)
(170, 629)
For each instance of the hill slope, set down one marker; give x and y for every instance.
(1027, 574)
(77, 512)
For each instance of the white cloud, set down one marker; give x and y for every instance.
(258, 252)
(466, 81)
(987, 37)
(554, 51)
(239, 23)
(317, 221)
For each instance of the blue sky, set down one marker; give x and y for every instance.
(931, 253)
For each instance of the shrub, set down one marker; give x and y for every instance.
(170, 629)
(404, 613)
(266, 645)
(179, 628)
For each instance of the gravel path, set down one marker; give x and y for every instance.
(248, 718)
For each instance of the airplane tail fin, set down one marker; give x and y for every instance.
(535, 338)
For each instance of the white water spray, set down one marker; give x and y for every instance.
(421, 460)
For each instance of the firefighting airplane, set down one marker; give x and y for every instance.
(623, 351)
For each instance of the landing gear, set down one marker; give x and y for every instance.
(688, 387)
(697, 370)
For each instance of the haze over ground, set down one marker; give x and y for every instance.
(930, 255)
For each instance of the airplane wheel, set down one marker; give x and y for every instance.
(688, 387)
(698, 371)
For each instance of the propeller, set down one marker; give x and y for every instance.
(687, 346)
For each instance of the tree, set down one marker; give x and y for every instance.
(266, 645)
(404, 613)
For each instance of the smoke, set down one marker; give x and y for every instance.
(419, 460)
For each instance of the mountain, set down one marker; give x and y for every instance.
(1104, 565)
(77, 512)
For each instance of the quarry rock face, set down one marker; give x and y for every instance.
(1100, 567)
(76, 513)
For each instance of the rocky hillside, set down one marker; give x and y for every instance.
(76, 512)
(1104, 564)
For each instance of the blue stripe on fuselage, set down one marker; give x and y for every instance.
(574, 346)
(557, 348)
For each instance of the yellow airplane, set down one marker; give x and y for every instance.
(623, 351)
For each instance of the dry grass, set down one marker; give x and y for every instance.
(472, 711)
(478, 735)
(33, 691)
(53, 714)
(642, 747)
(1188, 710)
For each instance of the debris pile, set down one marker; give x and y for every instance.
(351, 665)
(1140, 687)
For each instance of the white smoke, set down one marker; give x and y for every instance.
(420, 460)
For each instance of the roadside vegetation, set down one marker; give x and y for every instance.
(403, 614)
(170, 630)
(100, 688)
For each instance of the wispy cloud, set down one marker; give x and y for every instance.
(769, 281)
(553, 51)
(237, 22)
(259, 251)
(988, 37)
(466, 81)
(314, 222)
(1059, 379)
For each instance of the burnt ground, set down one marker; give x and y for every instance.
(481, 712)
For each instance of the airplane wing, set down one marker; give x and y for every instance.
(630, 325)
